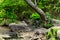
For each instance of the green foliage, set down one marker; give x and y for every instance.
(12, 3)
(10, 8)
(48, 23)
(52, 38)
(13, 10)
(18, 9)
(51, 6)
(2, 13)
(52, 33)
(36, 20)
(26, 14)
(35, 16)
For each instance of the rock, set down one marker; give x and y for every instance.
(43, 38)
(13, 34)
(39, 39)
(37, 33)
(2, 39)
(5, 36)
(2, 36)
(56, 22)
(40, 31)
(19, 26)
(16, 29)
(58, 34)
(22, 23)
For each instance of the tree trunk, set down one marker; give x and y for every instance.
(38, 10)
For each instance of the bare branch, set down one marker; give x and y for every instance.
(38, 10)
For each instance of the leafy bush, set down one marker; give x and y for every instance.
(49, 23)
(2, 13)
(51, 6)
(35, 19)
(35, 16)
(52, 33)
(8, 9)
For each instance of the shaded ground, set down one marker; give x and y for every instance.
(37, 34)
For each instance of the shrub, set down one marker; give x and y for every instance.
(52, 33)
(48, 23)
(35, 16)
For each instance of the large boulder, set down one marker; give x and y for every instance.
(16, 29)
(20, 26)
